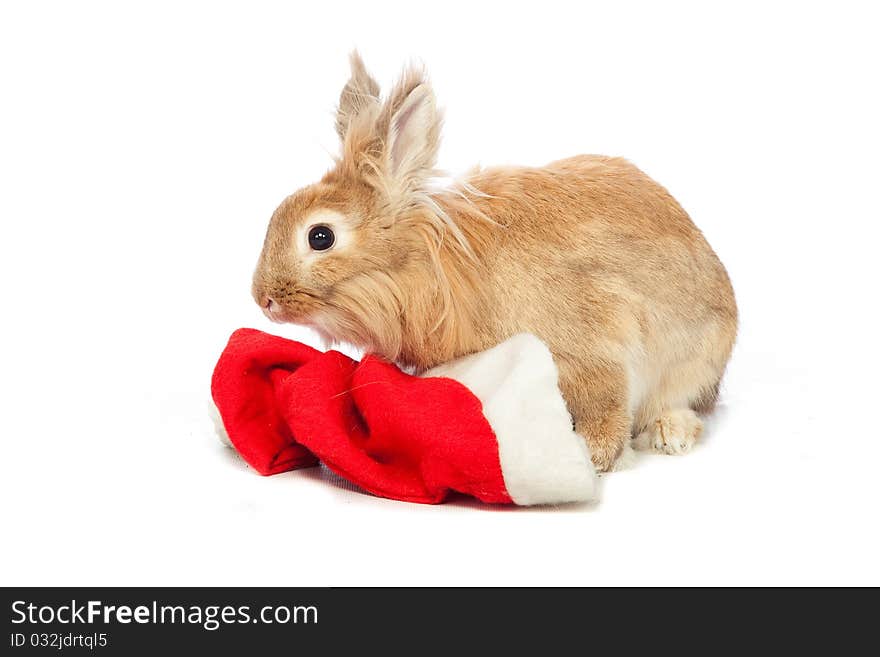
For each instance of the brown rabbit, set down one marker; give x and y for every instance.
(588, 253)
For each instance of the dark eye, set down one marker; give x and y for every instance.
(321, 238)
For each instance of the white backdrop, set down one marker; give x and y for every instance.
(142, 150)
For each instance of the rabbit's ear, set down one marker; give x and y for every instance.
(413, 124)
(359, 92)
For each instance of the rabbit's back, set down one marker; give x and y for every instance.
(590, 251)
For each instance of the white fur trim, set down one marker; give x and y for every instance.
(219, 429)
(543, 460)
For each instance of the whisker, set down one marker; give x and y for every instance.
(363, 385)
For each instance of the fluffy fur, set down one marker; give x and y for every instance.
(587, 253)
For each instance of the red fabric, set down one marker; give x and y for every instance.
(244, 390)
(395, 435)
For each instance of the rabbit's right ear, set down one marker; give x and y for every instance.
(361, 91)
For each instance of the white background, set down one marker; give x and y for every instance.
(142, 150)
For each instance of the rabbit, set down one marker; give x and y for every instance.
(588, 253)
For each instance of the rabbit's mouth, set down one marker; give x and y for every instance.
(290, 308)
(274, 312)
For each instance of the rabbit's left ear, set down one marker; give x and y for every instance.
(413, 124)
(360, 92)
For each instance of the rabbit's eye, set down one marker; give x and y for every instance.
(321, 238)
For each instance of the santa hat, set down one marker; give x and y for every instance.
(492, 425)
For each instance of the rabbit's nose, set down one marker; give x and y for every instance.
(271, 309)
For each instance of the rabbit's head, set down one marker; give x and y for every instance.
(339, 253)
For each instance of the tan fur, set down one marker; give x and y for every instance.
(588, 253)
